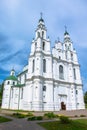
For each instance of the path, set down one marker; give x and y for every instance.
(20, 124)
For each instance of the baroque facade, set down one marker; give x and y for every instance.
(50, 82)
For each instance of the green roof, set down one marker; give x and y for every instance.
(19, 85)
(11, 77)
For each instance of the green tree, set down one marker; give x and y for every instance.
(85, 97)
(1, 92)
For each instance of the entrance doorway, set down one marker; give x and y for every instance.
(63, 106)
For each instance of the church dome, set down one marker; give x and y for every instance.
(11, 77)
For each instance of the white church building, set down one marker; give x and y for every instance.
(50, 82)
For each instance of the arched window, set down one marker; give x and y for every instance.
(42, 34)
(8, 82)
(13, 83)
(76, 91)
(43, 46)
(44, 65)
(38, 34)
(33, 65)
(61, 73)
(71, 56)
(44, 88)
(74, 73)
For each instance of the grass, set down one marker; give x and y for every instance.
(4, 119)
(80, 124)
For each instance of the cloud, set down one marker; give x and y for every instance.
(19, 19)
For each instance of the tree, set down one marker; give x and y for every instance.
(85, 97)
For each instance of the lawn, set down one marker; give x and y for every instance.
(4, 119)
(57, 125)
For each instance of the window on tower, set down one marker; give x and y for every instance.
(74, 73)
(61, 73)
(44, 88)
(38, 34)
(33, 65)
(44, 65)
(42, 34)
(43, 46)
(71, 56)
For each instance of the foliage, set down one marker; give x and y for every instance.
(32, 118)
(29, 114)
(85, 97)
(4, 119)
(64, 119)
(19, 115)
(1, 92)
(50, 115)
(57, 125)
(39, 118)
(82, 115)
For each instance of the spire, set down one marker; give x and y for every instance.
(41, 19)
(66, 33)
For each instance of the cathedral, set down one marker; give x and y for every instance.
(51, 80)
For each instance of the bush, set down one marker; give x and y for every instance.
(39, 118)
(64, 119)
(18, 115)
(30, 114)
(82, 115)
(33, 118)
(50, 115)
(76, 115)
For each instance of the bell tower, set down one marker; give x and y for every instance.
(40, 42)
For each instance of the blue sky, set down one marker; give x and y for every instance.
(19, 19)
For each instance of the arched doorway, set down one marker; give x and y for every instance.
(63, 106)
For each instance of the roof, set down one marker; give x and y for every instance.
(22, 72)
(11, 77)
(66, 33)
(19, 85)
(41, 20)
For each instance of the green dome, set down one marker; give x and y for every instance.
(11, 77)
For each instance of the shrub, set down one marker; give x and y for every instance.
(39, 118)
(32, 118)
(82, 115)
(18, 115)
(76, 115)
(50, 115)
(64, 119)
(30, 114)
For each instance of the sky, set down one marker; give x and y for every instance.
(19, 19)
